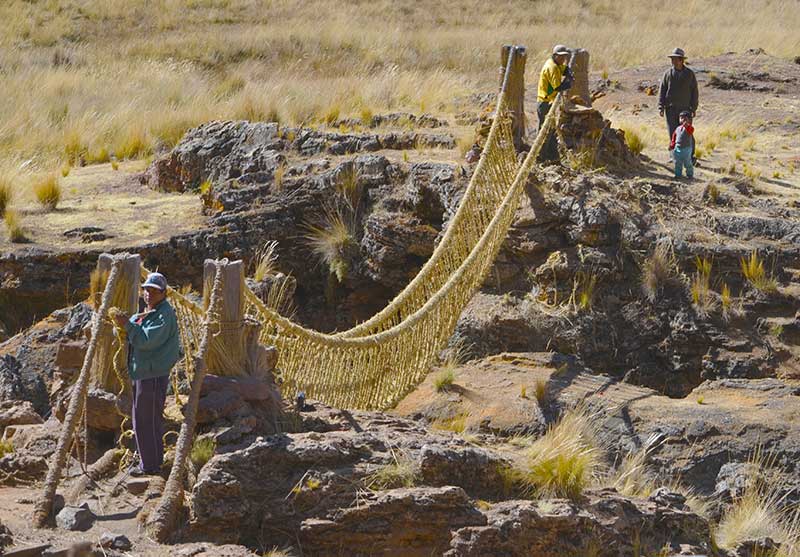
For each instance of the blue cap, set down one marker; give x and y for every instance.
(156, 280)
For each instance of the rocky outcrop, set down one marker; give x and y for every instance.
(312, 474)
(412, 522)
(604, 524)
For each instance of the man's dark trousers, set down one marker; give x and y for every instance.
(149, 396)
(550, 148)
(673, 115)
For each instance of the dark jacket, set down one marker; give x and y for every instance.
(154, 343)
(678, 89)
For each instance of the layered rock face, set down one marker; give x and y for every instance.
(326, 490)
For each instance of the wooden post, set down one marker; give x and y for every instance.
(227, 354)
(580, 87)
(126, 298)
(516, 89)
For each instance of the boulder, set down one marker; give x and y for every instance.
(6, 538)
(218, 404)
(102, 411)
(21, 469)
(605, 524)
(118, 542)
(78, 518)
(477, 471)
(408, 522)
(35, 439)
(247, 388)
(15, 412)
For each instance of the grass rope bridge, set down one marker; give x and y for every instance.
(376, 363)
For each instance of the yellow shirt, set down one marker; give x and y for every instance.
(549, 79)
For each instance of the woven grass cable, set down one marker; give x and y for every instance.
(161, 521)
(44, 506)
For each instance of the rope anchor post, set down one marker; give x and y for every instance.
(119, 267)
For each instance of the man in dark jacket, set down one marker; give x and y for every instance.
(678, 92)
(154, 347)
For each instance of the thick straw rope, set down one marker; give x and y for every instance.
(160, 523)
(44, 506)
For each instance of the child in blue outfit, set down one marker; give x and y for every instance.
(682, 144)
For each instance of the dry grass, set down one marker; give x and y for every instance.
(97, 284)
(657, 270)
(128, 76)
(47, 191)
(455, 424)
(401, 472)
(202, 450)
(565, 460)
(444, 380)
(755, 274)
(6, 193)
(16, 233)
(265, 260)
(633, 140)
(700, 286)
(6, 447)
(332, 240)
(761, 512)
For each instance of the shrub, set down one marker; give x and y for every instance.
(583, 290)
(366, 116)
(99, 156)
(47, 191)
(134, 144)
(754, 273)
(761, 512)
(6, 194)
(331, 115)
(65, 169)
(701, 286)
(265, 259)
(400, 473)
(350, 188)
(444, 380)
(464, 144)
(657, 270)
(202, 450)
(634, 141)
(15, 232)
(456, 423)
(565, 460)
(332, 242)
(6, 447)
(725, 299)
(277, 177)
(540, 391)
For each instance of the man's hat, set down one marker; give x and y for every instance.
(560, 50)
(156, 280)
(677, 53)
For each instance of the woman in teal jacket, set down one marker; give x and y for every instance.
(153, 348)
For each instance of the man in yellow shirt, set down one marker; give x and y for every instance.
(554, 78)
